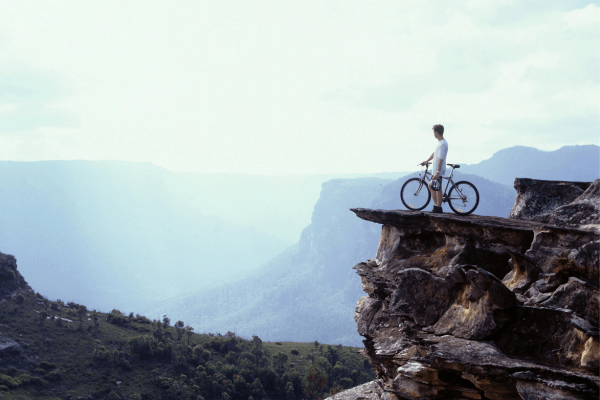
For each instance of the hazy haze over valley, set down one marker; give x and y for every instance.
(198, 159)
(206, 248)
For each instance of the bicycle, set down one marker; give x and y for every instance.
(463, 197)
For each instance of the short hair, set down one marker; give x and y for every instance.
(439, 129)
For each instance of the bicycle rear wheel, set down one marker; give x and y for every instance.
(463, 198)
(415, 194)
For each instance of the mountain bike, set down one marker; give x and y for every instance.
(463, 197)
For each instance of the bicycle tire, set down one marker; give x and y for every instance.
(466, 200)
(418, 188)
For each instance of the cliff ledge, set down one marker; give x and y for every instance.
(474, 307)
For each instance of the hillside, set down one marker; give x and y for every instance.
(51, 350)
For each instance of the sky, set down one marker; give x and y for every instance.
(295, 87)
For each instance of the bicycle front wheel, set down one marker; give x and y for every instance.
(463, 198)
(415, 194)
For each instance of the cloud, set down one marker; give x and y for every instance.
(298, 86)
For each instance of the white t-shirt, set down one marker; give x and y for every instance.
(441, 151)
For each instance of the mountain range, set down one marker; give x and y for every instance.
(218, 251)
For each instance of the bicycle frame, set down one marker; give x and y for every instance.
(426, 179)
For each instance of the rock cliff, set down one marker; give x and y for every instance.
(474, 307)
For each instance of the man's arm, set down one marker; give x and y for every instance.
(436, 173)
(429, 159)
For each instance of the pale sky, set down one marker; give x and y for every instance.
(286, 87)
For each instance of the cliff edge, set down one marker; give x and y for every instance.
(474, 307)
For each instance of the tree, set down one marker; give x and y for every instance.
(179, 326)
(96, 320)
(257, 389)
(316, 381)
(316, 343)
(43, 316)
(289, 391)
(256, 341)
(81, 312)
(159, 332)
(189, 331)
(279, 360)
(166, 321)
(20, 299)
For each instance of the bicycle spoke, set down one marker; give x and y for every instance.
(463, 197)
(414, 194)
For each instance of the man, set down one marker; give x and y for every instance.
(438, 166)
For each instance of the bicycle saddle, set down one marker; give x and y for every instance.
(454, 165)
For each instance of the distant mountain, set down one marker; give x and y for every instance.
(117, 233)
(111, 233)
(309, 292)
(304, 293)
(569, 163)
(134, 235)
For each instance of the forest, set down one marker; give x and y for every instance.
(65, 351)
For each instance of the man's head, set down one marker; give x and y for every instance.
(438, 131)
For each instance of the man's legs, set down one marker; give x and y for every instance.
(437, 198)
(436, 195)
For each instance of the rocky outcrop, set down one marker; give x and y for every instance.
(557, 203)
(11, 281)
(472, 307)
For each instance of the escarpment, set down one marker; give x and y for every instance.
(474, 307)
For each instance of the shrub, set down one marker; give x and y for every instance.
(26, 379)
(46, 365)
(346, 383)
(140, 319)
(278, 343)
(20, 299)
(295, 352)
(53, 376)
(8, 381)
(142, 346)
(117, 318)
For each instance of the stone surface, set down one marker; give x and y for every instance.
(485, 308)
(536, 197)
(557, 203)
(366, 391)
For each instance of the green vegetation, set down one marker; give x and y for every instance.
(67, 351)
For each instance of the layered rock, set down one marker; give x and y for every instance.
(472, 307)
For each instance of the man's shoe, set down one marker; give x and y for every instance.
(437, 210)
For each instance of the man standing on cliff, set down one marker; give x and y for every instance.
(438, 167)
